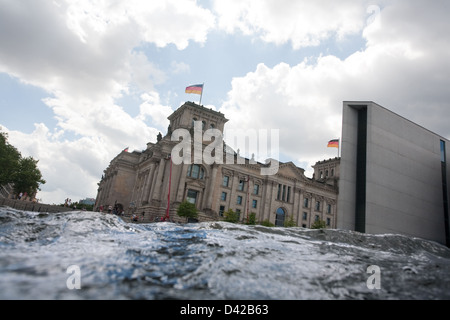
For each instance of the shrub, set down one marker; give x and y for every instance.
(188, 210)
(319, 224)
(231, 216)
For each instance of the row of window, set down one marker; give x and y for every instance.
(283, 195)
(211, 125)
(280, 216)
(284, 192)
(326, 174)
(239, 199)
(241, 185)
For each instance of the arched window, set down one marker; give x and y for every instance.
(195, 171)
(203, 125)
(193, 121)
(279, 219)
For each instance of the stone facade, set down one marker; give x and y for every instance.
(140, 181)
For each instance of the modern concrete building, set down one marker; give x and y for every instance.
(149, 181)
(393, 175)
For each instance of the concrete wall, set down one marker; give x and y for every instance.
(347, 179)
(32, 206)
(403, 175)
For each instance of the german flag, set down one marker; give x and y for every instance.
(333, 143)
(196, 88)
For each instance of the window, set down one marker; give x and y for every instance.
(279, 219)
(332, 172)
(195, 171)
(192, 196)
(238, 213)
(203, 125)
(254, 203)
(326, 173)
(221, 210)
(328, 221)
(241, 185)
(316, 218)
(256, 189)
(305, 216)
(329, 209)
(193, 121)
(223, 197)
(306, 202)
(317, 205)
(226, 180)
(239, 200)
(284, 193)
(212, 126)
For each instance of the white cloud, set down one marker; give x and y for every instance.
(152, 107)
(83, 53)
(180, 67)
(87, 53)
(408, 74)
(303, 23)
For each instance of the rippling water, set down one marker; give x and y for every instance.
(208, 261)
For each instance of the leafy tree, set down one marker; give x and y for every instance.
(319, 224)
(231, 216)
(290, 223)
(22, 172)
(251, 219)
(187, 209)
(9, 160)
(28, 177)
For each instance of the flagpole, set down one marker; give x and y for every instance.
(201, 95)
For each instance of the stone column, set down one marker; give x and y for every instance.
(159, 178)
(148, 184)
(181, 181)
(211, 184)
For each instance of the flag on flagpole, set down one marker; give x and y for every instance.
(333, 143)
(125, 150)
(196, 88)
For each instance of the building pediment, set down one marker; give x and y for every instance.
(291, 171)
(195, 183)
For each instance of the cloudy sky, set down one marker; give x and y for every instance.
(81, 80)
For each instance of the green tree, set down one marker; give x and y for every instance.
(23, 173)
(188, 210)
(231, 216)
(28, 177)
(319, 224)
(9, 160)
